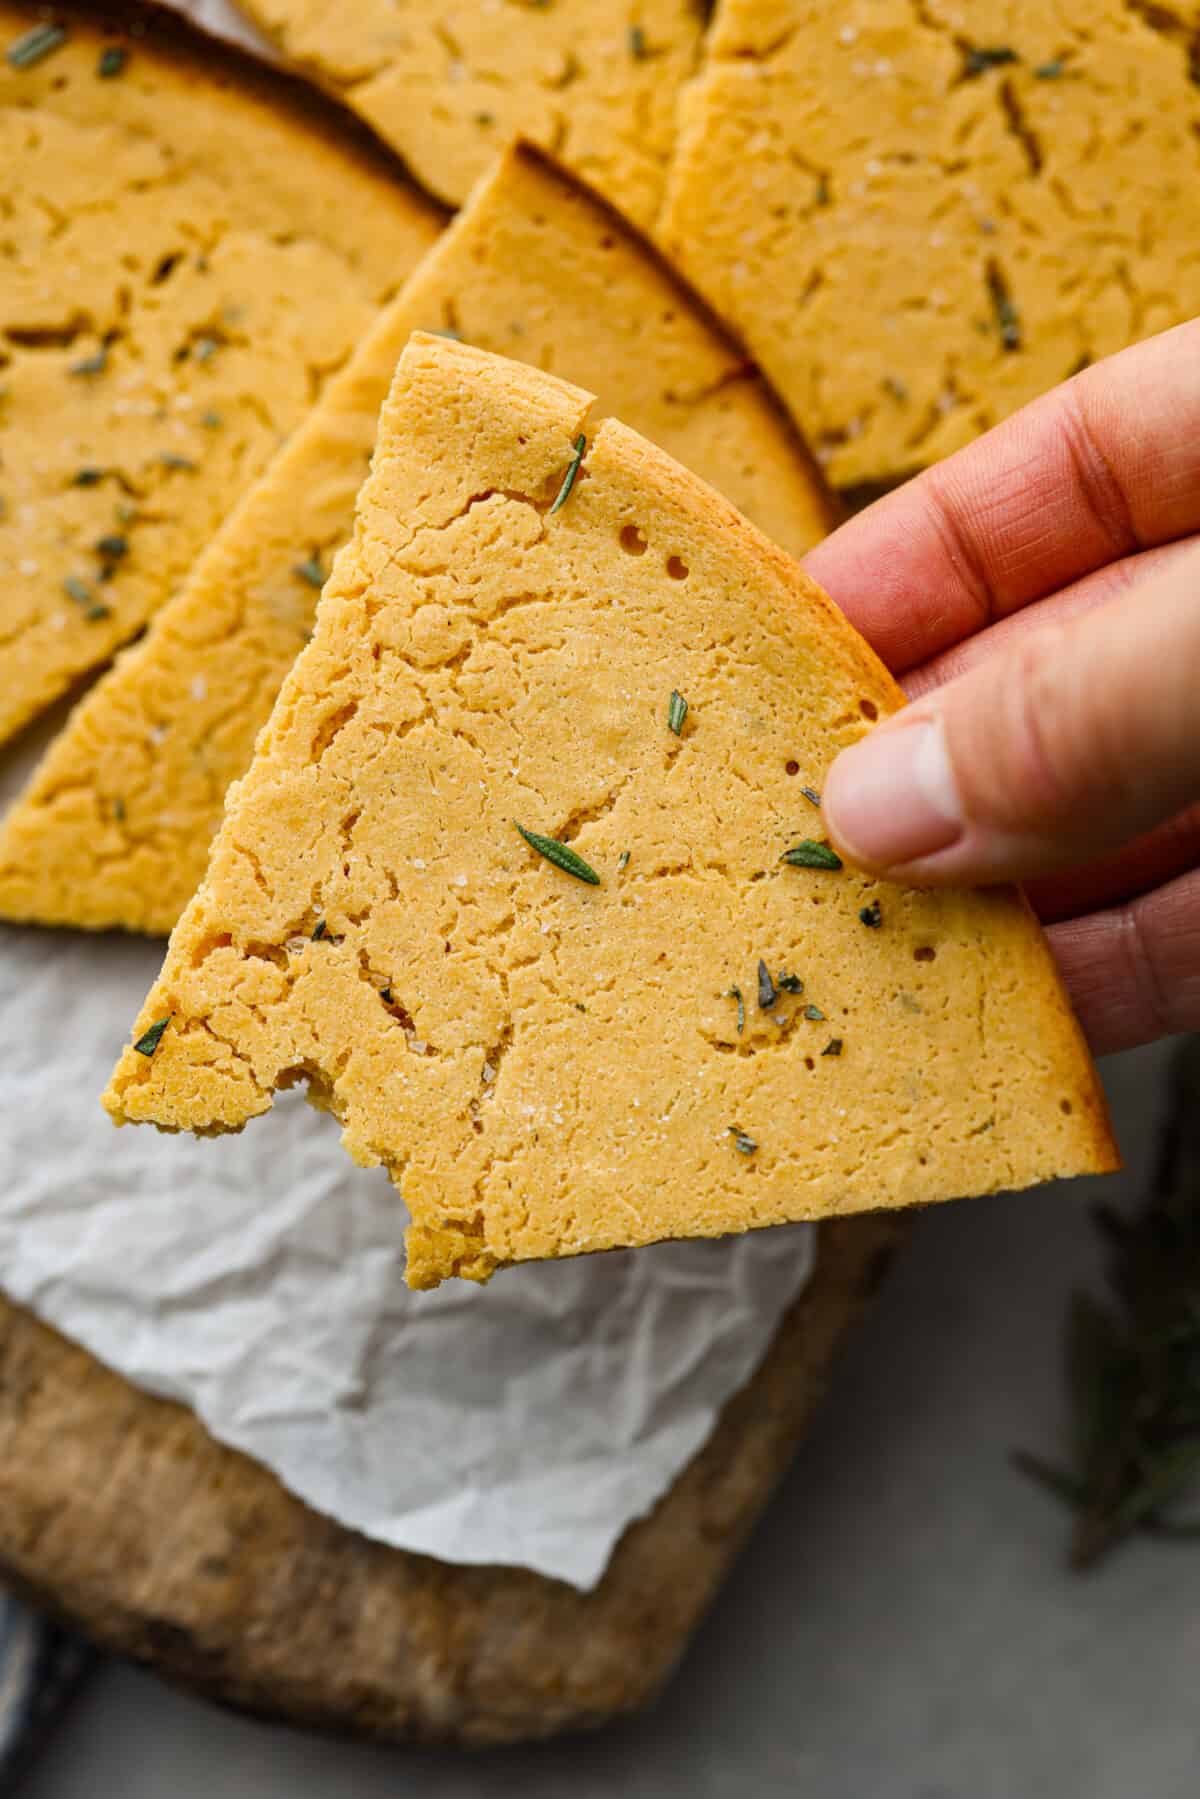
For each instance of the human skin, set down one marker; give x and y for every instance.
(1038, 596)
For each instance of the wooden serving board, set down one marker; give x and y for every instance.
(120, 1513)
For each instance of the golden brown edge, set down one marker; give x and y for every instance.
(120, 1513)
(176, 35)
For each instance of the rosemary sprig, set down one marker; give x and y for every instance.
(809, 854)
(561, 854)
(568, 480)
(1133, 1361)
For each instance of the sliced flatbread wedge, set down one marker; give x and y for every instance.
(190, 246)
(595, 81)
(115, 827)
(565, 953)
(921, 216)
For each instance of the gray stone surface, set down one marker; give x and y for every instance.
(901, 1626)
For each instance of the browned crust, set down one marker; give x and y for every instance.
(120, 1513)
(691, 298)
(173, 35)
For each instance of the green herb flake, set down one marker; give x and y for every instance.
(811, 794)
(637, 43)
(789, 983)
(95, 364)
(568, 481)
(112, 62)
(385, 994)
(1004, 311)
(1050, 71)
(87, 477)
(736, 994)
(37, 44)
(206, 348)
(212, 421)
(767, 992)
(744, 1144)
(310, 570)
(77, 589)
(823, 190)
(320, 929)
(171, 460)
(809, 854)
(118, 810)
(149, 1041)
(622, 861)
(871, 916)
(814, 1014)
(677, 711)
(97, 611)
(485, 119)
(833, 1047)
(448, 331)
(977, 61)
(561, 854)
(112, 547)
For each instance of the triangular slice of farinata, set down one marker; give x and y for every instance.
(114, 829)
(527, 880)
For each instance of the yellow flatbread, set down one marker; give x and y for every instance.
(115, 827)
(525, 881)
(919, 217)
(187, 256)
(594, 81)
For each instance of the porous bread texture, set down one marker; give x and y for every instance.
(920, 214)
(115, 827)
(185, 262)
(545, 1066)
(594, 81)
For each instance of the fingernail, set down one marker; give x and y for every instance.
(892, 798)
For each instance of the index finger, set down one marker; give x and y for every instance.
(1104, 465)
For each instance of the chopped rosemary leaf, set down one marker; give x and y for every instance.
(978, 61)
(789, 983)
(808, 854)
(833, 1047)
(568, 481)
(1050, 71)
(677, 711)
(814, 1014)
(745, 1145)
(767, 994)
(206, 348)
(169, 459)
(810, 793)
(112, 62)
(385, 994)
(95, 364)
(1008, 319)
(87, 477)
(118, 810)
(310, 570)
(112, 547)
(871, 916)
(212, 421)
(637, 43)
(25, 51)
(622, 861)
(456, 337)
(319, 930)
(561, 854)
(736, 993)
(823, 190)
(77, 589)
(149, 1041)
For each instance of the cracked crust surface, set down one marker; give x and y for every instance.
(115, 827)
(594, 81)
(922, 213)
(148, 374)
(548, 1067)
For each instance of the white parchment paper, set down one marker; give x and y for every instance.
(259, 1279)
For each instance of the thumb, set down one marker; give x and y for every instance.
(1046, 754)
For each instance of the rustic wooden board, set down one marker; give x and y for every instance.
(119, 1512)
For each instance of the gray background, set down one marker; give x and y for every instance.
(901, 1626)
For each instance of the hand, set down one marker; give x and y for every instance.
(1038, 595)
